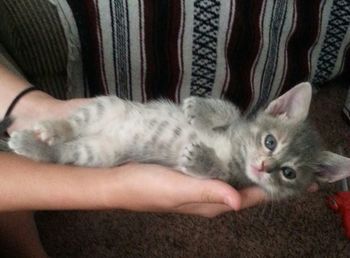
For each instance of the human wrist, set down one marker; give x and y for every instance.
(91, 188)
(84, 188)
(110, 187)
(70, 187)
(122, 187)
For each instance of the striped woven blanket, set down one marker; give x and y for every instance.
(245, 51)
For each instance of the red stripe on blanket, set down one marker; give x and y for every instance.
(95, 47)
(101, 59)
(172, 52)
(242, 50)
(303, 38)
(162, 23)
(148, 12)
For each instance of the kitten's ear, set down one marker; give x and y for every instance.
(294, 104)
(333, 167)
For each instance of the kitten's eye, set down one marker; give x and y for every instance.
(270, 142)
(288, 172)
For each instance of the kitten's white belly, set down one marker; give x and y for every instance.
(146, 133)
(152, 133)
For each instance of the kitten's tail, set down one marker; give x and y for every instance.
(4, 124)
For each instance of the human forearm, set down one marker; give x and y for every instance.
(28, 185)
(10, 86)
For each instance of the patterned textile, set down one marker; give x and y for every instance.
(246, 51)
(204, 55)
(338, 24)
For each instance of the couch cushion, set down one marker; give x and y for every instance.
(31, 31)
(8, 62)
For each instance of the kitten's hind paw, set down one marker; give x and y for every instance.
(200, 161)
(53, 131)
(27, 144)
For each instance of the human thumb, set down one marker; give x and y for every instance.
(214, 191)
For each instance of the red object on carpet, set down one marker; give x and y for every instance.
(340, 203)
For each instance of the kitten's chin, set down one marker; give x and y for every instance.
(262, 179)
(258, 177)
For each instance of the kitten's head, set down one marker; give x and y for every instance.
(283, 153)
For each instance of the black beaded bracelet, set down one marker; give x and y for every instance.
(17, 98)
(7, 120)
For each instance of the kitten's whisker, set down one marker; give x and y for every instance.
(264, 209)
(268, 205)
(271, 208)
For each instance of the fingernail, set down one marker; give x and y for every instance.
(234, 204)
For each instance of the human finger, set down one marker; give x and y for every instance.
(252, 196)
(215, 191)
(208, 210)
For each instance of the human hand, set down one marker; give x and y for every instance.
(145, 187)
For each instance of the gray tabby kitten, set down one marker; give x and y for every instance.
(204, 138)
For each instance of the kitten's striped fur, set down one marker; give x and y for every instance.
(205, 138)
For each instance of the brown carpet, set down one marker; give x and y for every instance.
(297, 228)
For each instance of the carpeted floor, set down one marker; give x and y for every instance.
(297, 228)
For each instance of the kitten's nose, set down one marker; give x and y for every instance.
(265, 166)
(260, 168)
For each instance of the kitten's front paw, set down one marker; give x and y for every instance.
(189, 109)
(190, 155)
(200, 161)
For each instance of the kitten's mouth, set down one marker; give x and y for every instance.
(257, 171)
(256, 174)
